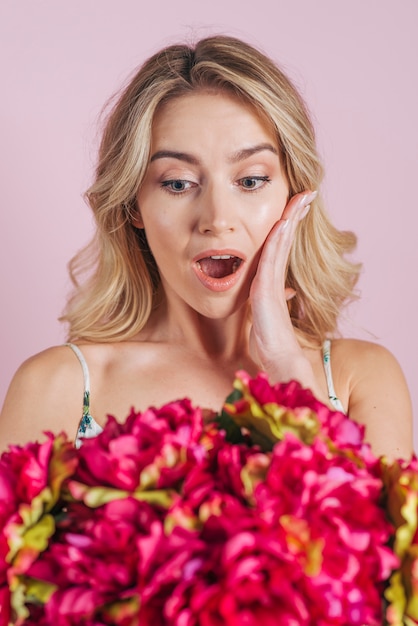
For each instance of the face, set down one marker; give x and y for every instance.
(213, 190)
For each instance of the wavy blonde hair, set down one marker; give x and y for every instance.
(115, 277)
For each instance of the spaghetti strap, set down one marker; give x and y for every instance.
(326, 353)
(86, 373)
(86, 376)
(87, 427)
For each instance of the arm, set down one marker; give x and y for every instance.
(44, 395)
(366, 375)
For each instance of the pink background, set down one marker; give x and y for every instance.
(354, 61)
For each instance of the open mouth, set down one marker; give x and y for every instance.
(219, 265)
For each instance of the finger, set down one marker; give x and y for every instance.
(272, 266)
(277, 245)
(279, 241)
(298, 205)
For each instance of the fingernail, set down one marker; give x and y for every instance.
(304, 212)
(308, 198)
(282, 226)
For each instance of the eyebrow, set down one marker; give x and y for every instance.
(243, 154)
(235, 157)
(173, 154)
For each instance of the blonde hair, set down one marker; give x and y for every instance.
(120, 286)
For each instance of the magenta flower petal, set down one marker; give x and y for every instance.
(162, 521)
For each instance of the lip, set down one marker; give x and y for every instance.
(218, 284)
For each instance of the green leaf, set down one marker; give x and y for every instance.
(232, 430)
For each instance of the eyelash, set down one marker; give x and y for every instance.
(260, 179)
(167, 184)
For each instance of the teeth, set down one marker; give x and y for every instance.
(221, 256)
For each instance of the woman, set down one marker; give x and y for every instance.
(213, 253)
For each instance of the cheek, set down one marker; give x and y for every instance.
(269, 214)
(159, 237)
(283, 200)
(155, 216)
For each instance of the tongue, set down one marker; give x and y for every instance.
(217, 268)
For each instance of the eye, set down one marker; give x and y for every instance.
(253, 182)
(177, 185)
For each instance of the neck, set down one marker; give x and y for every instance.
(225, 339)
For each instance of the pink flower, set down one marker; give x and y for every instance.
(155, 448)
(30, 464)
(5, 607)
(30, 481)
(94, 562)
(218, 473)
(401, 483)
(340, 502)
(274, 410)
(163, 521)
(232, 571)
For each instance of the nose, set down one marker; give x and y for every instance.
(217, 212)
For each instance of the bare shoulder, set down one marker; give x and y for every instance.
(376, 393)
(46, 370)
(45, 394)
(356, 348)
(362, 362)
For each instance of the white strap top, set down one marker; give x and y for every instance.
(326, 354)
(88, 427)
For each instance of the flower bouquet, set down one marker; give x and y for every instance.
(274, 512)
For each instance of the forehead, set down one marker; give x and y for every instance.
(205, 112)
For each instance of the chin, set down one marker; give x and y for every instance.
(223, 310)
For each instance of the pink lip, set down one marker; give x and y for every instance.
(218, 284)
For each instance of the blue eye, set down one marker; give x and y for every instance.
(253, 182)
(177, 185)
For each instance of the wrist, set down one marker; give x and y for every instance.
(297, 368)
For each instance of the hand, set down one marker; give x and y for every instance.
(273, 343)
